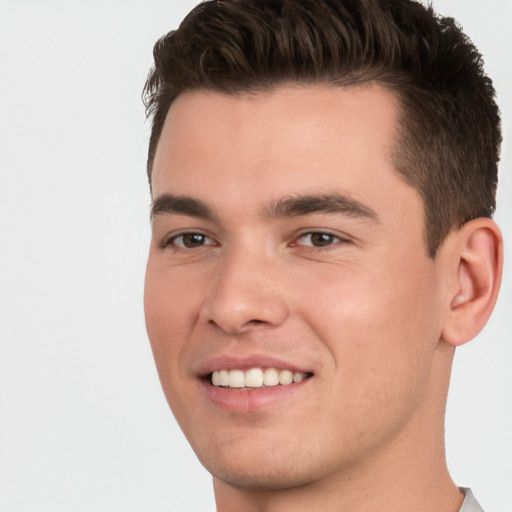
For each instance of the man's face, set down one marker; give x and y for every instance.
(283, 239)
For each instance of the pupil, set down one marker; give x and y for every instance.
(193, 240)
(321, 239)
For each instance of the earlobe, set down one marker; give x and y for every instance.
(477, 262)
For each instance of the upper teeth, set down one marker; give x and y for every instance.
(255, 378)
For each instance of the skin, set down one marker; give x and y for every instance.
(366, 311)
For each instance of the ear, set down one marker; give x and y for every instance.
(475, 262)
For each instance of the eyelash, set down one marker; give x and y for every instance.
(172, 240)
(334, 239)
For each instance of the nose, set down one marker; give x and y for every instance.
(245, 296)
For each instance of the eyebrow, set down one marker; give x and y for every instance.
(181, 205)
(334, 203)
(291, 206)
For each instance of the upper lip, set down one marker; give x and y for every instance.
(230, 362)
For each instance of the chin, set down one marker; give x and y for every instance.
(259, 479)
(268, 469)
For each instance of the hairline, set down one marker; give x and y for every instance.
(353, 80)
(357, 79)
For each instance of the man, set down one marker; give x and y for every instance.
(323, 178)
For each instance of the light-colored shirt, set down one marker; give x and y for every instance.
(470, 504)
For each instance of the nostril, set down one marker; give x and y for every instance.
(254, 324)
(243, 327)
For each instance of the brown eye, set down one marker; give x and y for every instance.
(318, 239)
(322, 239)
(191, 240)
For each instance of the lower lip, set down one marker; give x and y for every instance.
(251, 400)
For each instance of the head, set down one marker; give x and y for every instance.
(449, 135)
(323, 174)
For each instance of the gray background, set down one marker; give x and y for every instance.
(83, 423)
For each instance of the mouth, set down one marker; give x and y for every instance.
(253, 383)
(255, 378)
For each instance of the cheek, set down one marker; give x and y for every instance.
(168, 307)
(380, 329)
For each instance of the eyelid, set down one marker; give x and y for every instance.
(169, 239)
(338, 236)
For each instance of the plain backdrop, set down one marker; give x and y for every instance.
(84, 426)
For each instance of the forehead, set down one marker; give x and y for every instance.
(289, 140)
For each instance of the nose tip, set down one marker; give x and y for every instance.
(242, 302)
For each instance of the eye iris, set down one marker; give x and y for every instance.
(321, 239)
(193, 240)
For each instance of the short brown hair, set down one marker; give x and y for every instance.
(449, 141)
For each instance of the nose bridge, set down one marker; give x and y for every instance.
(246, 293)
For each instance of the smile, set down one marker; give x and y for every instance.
(256, 378)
